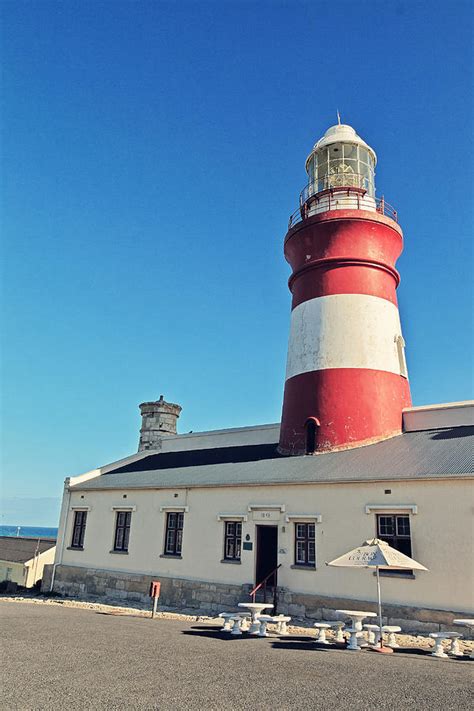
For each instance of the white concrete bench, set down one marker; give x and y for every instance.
(354, 643)
(439, 638)
(390, 630)
(264, 620)
(455, 648)
(373, 636)
(227, 617)
(235, 622)
(281, 622)
(466, 623)
(240, 623)
(322, 627)
(339, 626)
(373, 633)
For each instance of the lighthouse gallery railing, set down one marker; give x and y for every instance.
(331, 195)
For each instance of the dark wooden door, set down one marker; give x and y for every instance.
(267, 553)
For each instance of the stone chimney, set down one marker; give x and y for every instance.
(159, 419)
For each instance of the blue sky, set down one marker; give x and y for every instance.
(152, 153)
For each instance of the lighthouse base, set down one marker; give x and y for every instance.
(354, 406)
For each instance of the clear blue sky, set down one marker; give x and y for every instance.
(152, 155)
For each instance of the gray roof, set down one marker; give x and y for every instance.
(433, 454)
(17, 549)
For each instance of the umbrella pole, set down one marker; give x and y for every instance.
(380, 604)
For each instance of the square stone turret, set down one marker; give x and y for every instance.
(159, 419)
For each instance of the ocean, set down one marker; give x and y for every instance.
(29, 531)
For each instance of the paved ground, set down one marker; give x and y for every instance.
(58, 658)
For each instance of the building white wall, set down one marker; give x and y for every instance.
(432, 417)
(27, 574)
(35, 566)
(16, 572)
(441, 536)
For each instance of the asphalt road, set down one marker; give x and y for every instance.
(56, 657)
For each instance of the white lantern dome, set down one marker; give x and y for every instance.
(341, 133)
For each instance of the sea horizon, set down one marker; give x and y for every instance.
(29, 531)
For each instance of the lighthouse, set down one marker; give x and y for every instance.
(346, 380)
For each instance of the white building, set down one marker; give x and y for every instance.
(213, 514)
(22, 559)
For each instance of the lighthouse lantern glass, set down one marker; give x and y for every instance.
(341, 165)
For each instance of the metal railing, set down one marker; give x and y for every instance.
(262, 585)
(330, 198)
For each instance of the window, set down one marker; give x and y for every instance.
(394, 529)
(79, 529)
(310, 436)
(174, 533)
(122, 531)
(305, 544)
(232, 540)
(310, 433)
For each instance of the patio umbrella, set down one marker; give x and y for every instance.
(376, 554)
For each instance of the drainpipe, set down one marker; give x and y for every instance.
(61, 530)
(35, 562)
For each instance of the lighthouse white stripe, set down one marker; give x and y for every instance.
(344, 331)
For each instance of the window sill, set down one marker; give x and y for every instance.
(75, 548)
(119, 552)
(170, 555)
(303, 567)
(391, 574)
(232, 562)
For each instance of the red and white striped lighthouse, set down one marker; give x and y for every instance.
(346, 377)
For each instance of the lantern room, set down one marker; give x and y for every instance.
(341, 172)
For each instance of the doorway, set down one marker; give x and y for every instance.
(267, 554)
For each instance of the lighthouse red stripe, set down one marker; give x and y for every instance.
(343, 278)
(354, 406)
(344, 255)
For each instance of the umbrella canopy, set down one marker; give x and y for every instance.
(376, 554)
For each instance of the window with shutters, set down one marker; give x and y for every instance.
(79, 529)
(122, 531)
(174, 533)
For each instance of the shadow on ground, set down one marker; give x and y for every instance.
(302, 643)
(278, 642)
(217, 634)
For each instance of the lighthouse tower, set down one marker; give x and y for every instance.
(346, 378)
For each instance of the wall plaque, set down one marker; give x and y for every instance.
(266, 515)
